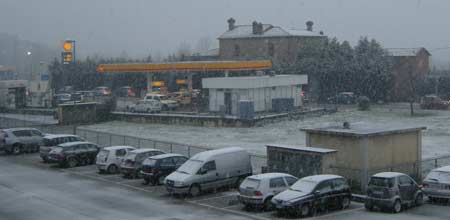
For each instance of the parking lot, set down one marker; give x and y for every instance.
(223, 200)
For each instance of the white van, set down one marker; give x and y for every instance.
(109, 159)
(210, 170)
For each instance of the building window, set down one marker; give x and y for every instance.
(270, 49)
(237, 50)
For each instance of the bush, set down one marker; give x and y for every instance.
(363, 103)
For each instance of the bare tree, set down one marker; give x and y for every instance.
(203, 44)
(184, 50)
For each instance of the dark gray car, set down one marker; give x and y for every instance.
(393, 191)
(53, 140)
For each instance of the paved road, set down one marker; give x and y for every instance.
(28, 192)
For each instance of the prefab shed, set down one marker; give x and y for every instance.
(226, 93)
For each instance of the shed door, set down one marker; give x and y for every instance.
(228, 102)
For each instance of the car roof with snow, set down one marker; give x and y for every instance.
(443, 169)
(69, 144)
(322, 177)
(118, 147)
(205, 155)
(162, 156)
(50, 136)
(269, 175)
(143, 150)
(388, 174)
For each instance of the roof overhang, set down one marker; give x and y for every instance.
(187, 66)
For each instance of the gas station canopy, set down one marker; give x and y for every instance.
(187, 66)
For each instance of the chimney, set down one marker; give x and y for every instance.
(309, 25)
(255, 27)
(231, 22)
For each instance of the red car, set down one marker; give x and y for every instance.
(433, 102)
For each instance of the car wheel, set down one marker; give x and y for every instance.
(345, 202)
(72, 162)
(397, 207)
(368, 206)
(304, 210)
(194, 190)
(419, 200)
(16, 149)
(268, 205)
(112, 169)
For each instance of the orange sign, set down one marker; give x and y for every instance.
(158, 83)
(180, 81)
(67, 46)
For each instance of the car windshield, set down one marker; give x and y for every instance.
(250, 183)
(190, 167)
(439, 176)
(302, 185)
(381, 182)
(150, 162)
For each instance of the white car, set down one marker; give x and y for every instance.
(109, 159)
(166, 102)
(148, 106)
(437, 184)
(257, 190)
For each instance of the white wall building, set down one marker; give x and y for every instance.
(228, 91)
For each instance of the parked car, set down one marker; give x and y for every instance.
(393, 191)
(148, 106)
(61, 99)
(110, 159)
(74, 154)
(20, 140)
(125, 91)
(167, 104)
(132, 164)
(343, 98)
(258, 190)
(436, 184)
(210, 170)
(433, 102)
(102, 91)
(53, 140)
(182, 97)
(156, 168)
(314, 193)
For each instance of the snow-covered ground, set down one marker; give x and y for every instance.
(436, 139)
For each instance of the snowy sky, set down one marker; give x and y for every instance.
(108, 27)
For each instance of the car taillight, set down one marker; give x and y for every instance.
(258, 193)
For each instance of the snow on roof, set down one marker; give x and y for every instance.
(320, 178)
(269, 175)
(143, 150)
(299, 148)
(203, 156)
(405, 52)
(118, 147)
(388, 174)
(443, 169)
(162, 156)
(246, 31)
(69, 144)
(49, 136)
(364, 130)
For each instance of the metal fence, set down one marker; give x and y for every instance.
(105, 139)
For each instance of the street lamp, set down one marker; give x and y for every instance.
(31, 64)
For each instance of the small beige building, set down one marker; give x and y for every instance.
(364, 149)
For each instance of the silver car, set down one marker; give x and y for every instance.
(258, 190)
(437, 184)
(20, 140)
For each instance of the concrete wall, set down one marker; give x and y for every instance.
(77, 113)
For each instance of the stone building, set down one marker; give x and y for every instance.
(265, 41)
(408, 64)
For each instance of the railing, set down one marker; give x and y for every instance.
(105, 139)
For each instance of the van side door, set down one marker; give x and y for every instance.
(209, 176)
